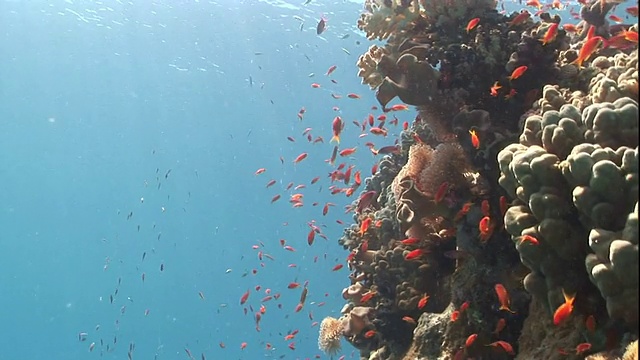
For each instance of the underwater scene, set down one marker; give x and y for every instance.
(319, 179)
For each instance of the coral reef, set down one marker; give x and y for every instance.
(507, 224)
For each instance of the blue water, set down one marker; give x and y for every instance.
(98, 101)
(135, 127)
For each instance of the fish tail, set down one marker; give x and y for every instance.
(335, 138)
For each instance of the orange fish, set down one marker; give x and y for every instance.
(534, 3)
(331, 69)
(472, 24)
(300, 158)
(485, 226)
(517, 72)
(337, 127)
(563, 311)
(463, 211)
(550, 35)
(588, 48)
(632, 10)
(260, 171)
(399, 107)
(631, 36)
(504, 345)
(347, 152)
(503, 297)
(570, 28)
(315, 85)
(353, 96)
(423, 301)
(378, 131)
(475, 141)
(337, 267)
(364, 226)
(494, 89)
(369, 334)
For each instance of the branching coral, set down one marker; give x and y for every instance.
(385, 18)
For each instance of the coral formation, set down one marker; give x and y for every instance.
(519, 175)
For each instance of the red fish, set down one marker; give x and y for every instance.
(582, 348)
(517, 72)
(441, 192)
(472, 24)
(588, 48)
(529, 238)
(337, 127)
(503, 297)
(414, 254)
(244, 297)
(322, 25)
(563, 311)
(494, 89)
(470, 340)
(520, 18)
(311, 237)
(300, 158)
(550, 35)
(365, 201)
(423, 301)
(590, 323)
(347, 152)
(455, 315)
(364, 226)
(503, 345)
(260, 171)
(331, 69)
(399, 107)
(475, 141)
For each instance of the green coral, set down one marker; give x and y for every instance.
(577, 162)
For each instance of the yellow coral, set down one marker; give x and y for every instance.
(330, 333)
(631, 352)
